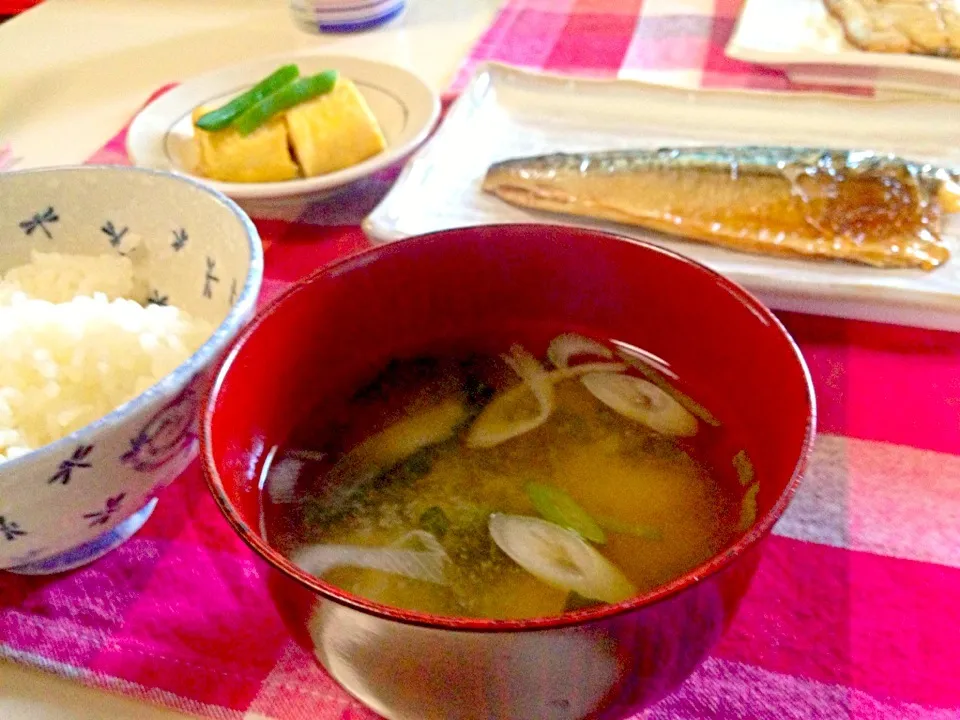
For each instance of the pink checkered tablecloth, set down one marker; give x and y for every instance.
(676, 42)
(855, 610)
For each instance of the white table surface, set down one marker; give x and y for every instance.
(73, 71)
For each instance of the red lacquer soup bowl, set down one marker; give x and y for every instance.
(335, 329)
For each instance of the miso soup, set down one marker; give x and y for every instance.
(508, 486)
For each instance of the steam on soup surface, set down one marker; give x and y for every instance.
(507, 486)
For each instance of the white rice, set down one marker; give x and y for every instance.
(75, 344)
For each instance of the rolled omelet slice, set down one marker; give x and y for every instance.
(334, 131)
(262, 156)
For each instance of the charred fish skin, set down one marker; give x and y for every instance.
(858, 206)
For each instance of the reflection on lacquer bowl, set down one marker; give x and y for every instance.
(484, 288)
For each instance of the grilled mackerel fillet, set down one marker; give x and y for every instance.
(861, 207)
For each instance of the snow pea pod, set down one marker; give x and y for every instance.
(223, 116)
(288, 96)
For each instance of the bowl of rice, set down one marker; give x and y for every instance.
(120, 289)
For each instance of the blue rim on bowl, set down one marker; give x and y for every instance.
(343, 16)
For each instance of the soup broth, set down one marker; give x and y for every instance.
(506, 486)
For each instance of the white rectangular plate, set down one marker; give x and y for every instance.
(506, 113)
(804, 39)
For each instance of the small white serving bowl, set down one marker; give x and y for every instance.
(161, 135)
(71, 501)
(339, 16)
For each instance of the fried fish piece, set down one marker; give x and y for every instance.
(923, 27)
(856, 206)
(262, 156)
(334, 131)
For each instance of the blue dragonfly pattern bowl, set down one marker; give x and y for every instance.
(69, 502)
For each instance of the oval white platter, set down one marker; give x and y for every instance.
(505, 112)
(161, 135)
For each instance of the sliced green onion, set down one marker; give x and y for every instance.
(559, 557)
(222, 117)
(652, 374)
(286, 97)
(573, 371)
(508, 414)
(558, 507)
(563, 347)
(641, 401)
(429, 564)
